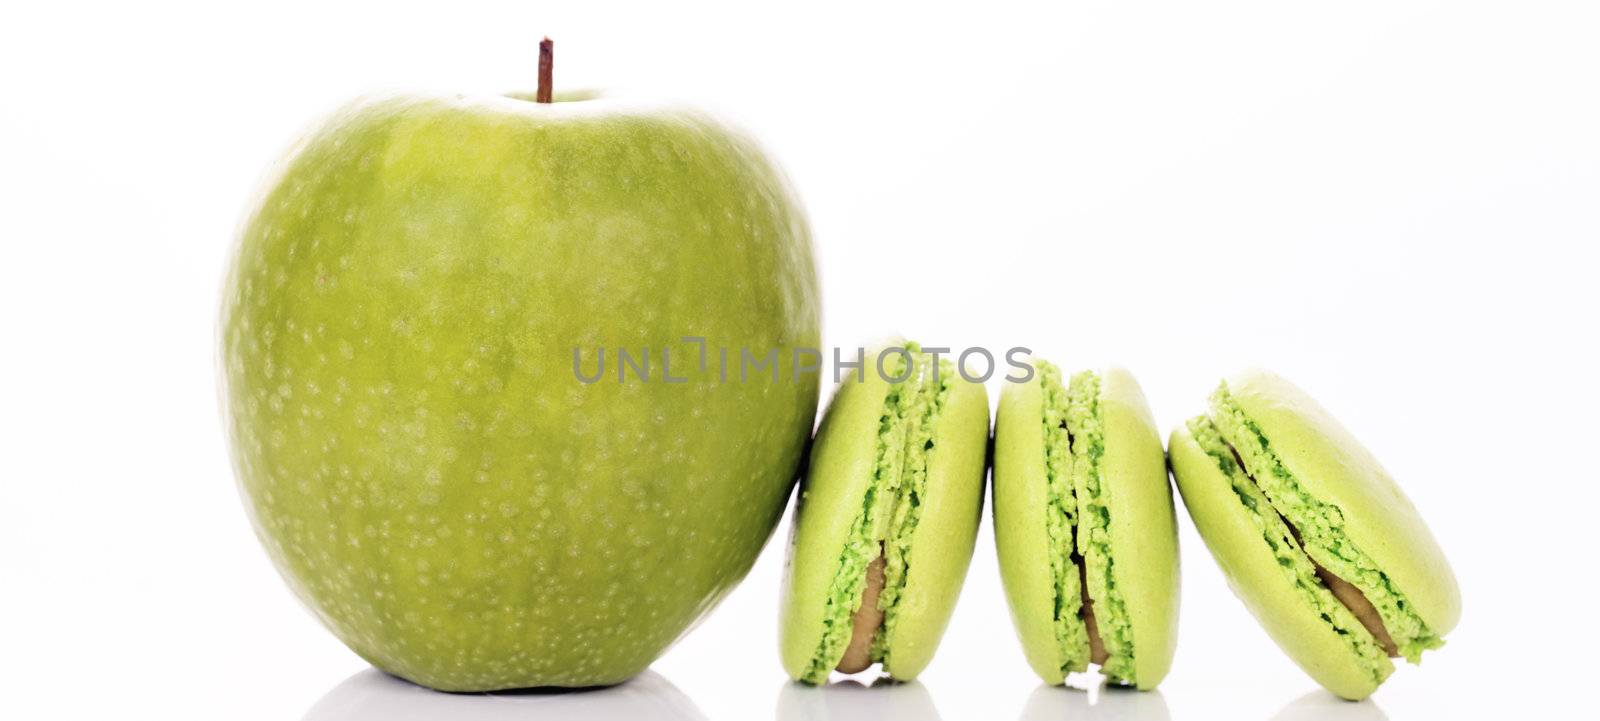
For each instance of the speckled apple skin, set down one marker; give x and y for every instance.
(418, 456)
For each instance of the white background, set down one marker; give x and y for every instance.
(1393, 203)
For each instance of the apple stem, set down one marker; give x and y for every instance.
(547, 52)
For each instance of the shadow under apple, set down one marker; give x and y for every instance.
(373, 695)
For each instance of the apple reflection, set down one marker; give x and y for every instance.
(372, 695)
(1096, 703)
(1319, 705)
(851, 700)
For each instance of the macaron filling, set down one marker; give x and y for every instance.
(1091, 618)
(1319, 529)
(1093, 536)
(1291, 556)
(1061, 518)
(882, 534)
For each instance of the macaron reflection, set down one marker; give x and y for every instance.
(883, 700)
(372, 695)
(1097, 703)
(1319, 705)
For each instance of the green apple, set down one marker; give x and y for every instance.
(401, 331)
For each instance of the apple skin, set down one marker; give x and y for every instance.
(412, 442)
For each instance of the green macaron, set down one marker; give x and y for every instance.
(1084, 526)
(886, 518)
(1312, 534)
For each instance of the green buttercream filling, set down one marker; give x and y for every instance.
(1061, 513)
(1292, 558)
(1321, 528)
(890, 510)
(1094, 526)
(908, 508)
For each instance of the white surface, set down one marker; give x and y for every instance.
(1393, 203)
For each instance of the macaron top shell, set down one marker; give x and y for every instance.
(1022, 540)
(1144, 533)
(1367, 506)
(844, 521)
(829, 499)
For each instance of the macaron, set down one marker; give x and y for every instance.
(1084, 526)
(1312, 534)
(886, 518)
